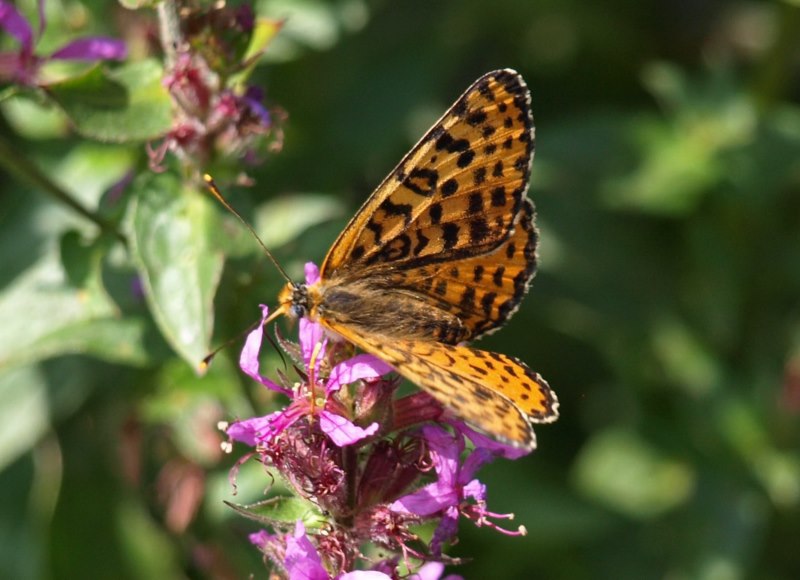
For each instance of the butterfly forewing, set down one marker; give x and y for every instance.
(456, 194)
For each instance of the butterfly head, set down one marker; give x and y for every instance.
(293, 300)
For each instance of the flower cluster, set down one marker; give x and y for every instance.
(371, 467)
(216, 115)
(23, 66)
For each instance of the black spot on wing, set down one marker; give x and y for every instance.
(465, 158)
(449, 187)
(450, 235)
(498, 276)
(499, 196)
(396, 209)
(435, 212)
(376, 229)
(468, 299)
(478, 230)
(422, 181)
(487, 301)
(475, 203)
(422, 241)
(476, 118)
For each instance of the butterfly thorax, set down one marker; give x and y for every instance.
(370, 307)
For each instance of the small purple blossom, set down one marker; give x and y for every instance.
(23, 66)
(211, 118)
(342, 431)
(301, 560)
(456, 491)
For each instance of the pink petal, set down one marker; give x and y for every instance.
(260, 539)
(92, 48)
(252, 431)
(447, 528)
(258, 430)
(445, 450)
(483, 441)
(342, 431)
(364, 575)
(15, 24)
(475, 490)
(430, 571)
(312, 273)
(426, 501)
(311, 333)
(248, 360)
(302, 561)
(477, 459)
(362, 366)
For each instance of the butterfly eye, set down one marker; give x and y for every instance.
(297, 310)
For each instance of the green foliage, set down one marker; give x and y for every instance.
(170, 233)
(119, 106)
(666, 314)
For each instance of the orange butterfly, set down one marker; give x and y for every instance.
(442, 253)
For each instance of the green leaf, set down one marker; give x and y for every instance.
(264, 31)
(24, 412)
(281, 510)
(170, 240)
(44, 315)
(121, 105)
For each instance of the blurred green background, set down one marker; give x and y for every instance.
(666, 313)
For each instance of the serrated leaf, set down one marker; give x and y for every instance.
(170, 240)
(281, 510)
(122, 105)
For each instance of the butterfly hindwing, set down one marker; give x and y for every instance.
(482, 291)
(494, 393)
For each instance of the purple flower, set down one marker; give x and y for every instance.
(23, 65)
(212, 119)
(301, 559)
(456, 492)
(481, 441)
(313, 344)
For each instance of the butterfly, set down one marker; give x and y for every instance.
(440, 254)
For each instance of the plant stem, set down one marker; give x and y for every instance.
(27, 172)
(169, 30)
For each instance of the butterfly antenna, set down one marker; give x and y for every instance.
(215, 191)
(275, 348)
(204, 364)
